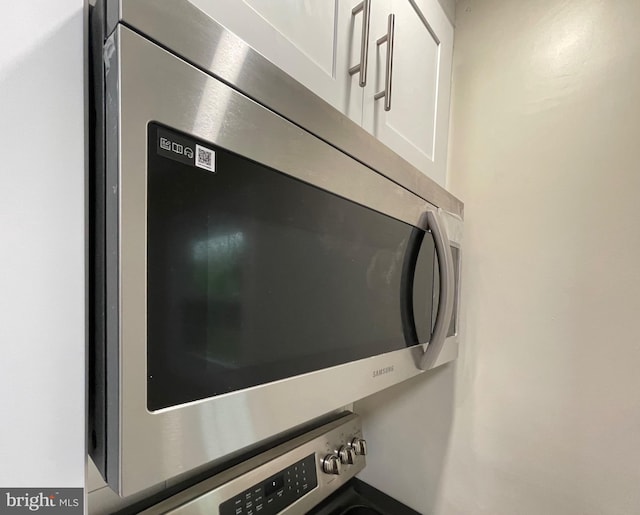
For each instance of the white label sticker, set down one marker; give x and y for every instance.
(205, 158)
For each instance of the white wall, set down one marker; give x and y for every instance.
(42, 244)
(545, 153)
(449, 7)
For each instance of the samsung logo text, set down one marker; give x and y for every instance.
(382, 371)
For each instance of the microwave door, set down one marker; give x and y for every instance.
(254, 276)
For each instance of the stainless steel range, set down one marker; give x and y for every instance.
(260, 261)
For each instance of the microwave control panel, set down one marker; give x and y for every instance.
(276, 493)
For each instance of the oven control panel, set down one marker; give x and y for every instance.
(277, 492)
(291, 478)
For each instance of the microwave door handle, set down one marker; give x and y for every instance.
(407, 284)
(445, 305)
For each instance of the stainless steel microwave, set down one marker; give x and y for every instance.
(259, 259)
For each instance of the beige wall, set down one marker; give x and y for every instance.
(544, 417)
(449, 7)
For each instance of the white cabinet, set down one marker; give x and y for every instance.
(417, 124)
(318, 41)
(312, 40)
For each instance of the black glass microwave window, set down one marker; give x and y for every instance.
(254, 276)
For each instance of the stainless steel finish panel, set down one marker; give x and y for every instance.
(454, 227)
(194, 35)
(202, 470)
(449, 352)
(111, 57)
(147, 448)
(206, 497)
(112, 16)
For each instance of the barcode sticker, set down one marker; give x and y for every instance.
(205, 158)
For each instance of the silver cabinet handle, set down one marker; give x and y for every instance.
(447, 286)
(388, 38)
(365, 7)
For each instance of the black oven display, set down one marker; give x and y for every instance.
(277, 492)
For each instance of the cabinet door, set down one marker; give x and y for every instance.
(416, 126)
(314, 41)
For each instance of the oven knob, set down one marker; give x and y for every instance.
(331, 464)
(359, 445)
(347, 455)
